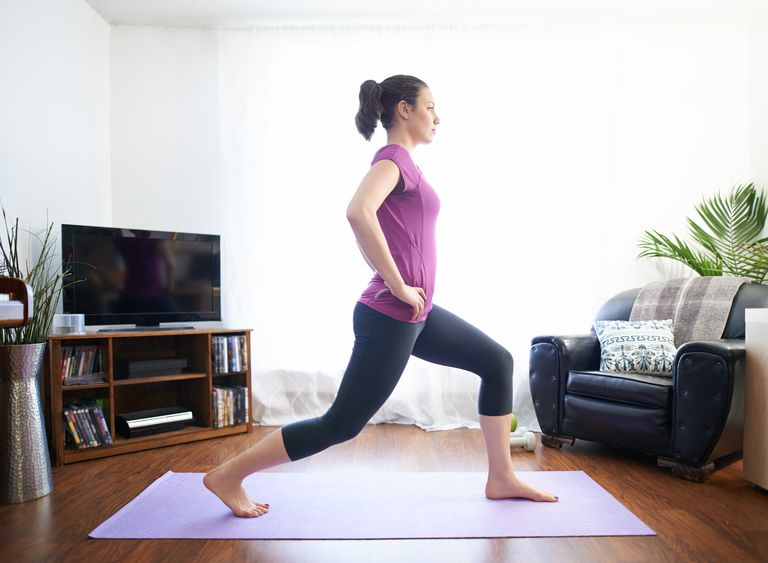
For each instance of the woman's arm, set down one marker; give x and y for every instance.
(377, 184)
(365, 257)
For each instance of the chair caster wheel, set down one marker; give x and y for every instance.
(556, 441)
(690, 473)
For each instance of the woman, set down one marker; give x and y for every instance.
(393, 217)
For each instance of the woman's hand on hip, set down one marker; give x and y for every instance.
(415, 297)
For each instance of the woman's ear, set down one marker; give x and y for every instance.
(403, 109)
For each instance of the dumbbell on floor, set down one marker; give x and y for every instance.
(522, 437)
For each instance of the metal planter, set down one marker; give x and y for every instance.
(25, 464)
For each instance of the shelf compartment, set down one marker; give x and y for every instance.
(191, 347)
(82, 359)
(193, 394)
(81, 397)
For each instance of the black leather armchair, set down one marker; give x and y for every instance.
(686, 421)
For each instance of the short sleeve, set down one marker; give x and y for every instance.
(400, 156)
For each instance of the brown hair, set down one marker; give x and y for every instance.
(378, 101)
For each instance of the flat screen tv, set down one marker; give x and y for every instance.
(140, 277)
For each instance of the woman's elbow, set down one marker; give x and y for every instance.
(355, 215)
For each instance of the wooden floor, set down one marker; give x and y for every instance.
(721, 520)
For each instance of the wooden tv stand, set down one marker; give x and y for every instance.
(119, 394)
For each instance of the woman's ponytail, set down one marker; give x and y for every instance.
(379, 101)
(369, 112)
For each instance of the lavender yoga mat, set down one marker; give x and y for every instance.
(373, 506)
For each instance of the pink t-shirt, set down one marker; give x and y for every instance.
(408, 218)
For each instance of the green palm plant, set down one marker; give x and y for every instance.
(728, 239)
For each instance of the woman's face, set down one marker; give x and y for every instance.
(423, 119)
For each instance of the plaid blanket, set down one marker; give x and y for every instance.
(699, 307)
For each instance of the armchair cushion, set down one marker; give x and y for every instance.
(636, 346)
(631, 388)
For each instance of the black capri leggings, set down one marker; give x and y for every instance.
(381, 351)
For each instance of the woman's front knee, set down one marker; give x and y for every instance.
(503, 363)
(343, 430)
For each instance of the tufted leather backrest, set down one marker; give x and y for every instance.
(749, 296)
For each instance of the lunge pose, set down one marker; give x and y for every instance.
(393, 215)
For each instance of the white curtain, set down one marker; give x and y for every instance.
(549, 136)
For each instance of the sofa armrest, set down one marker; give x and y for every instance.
(705, 375)
(729, 350)
(552, 357)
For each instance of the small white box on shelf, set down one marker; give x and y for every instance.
(69, 324)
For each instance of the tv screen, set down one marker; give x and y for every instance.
(133, 276)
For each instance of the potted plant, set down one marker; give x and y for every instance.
(728, 241)
(25, 469)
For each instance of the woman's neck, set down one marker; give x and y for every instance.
(400, 138)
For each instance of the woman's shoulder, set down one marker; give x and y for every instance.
(402, 158)
(398, 153)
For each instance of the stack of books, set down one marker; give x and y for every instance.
(229, 354)
(230, 405)
(81, 365)
(86, 426)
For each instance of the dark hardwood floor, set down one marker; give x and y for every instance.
(723, 519)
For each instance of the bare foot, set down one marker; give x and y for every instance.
(231, 493)
(513, 488)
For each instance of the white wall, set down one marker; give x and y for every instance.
(54, 112)
(759, 102)
(165, 130)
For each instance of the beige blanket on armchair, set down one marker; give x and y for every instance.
(699, 307)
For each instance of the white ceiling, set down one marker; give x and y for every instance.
(237, 13)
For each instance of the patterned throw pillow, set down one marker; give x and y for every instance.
(636, 346)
